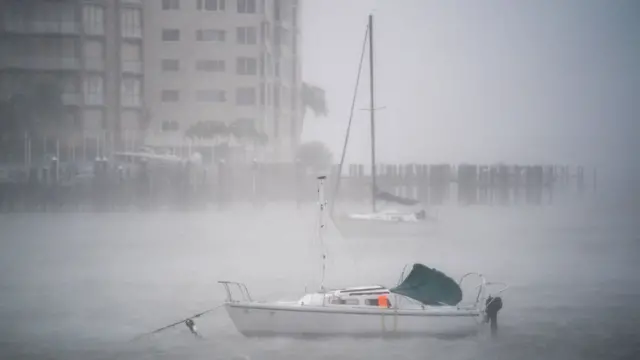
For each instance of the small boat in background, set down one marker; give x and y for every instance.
(377, 223)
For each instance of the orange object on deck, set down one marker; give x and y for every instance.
(382, 301)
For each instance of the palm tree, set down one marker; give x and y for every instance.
(209, 130)
(243, 129)
(7, 129)
(38, 114)
(48, 111)
(247, 132)
(313, 98)
(315, 155)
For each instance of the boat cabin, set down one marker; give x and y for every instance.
(375, 296)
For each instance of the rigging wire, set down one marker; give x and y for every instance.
(346, 139)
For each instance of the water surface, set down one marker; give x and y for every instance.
(79, 286)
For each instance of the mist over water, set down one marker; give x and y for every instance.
(79, 286)
(523, 83)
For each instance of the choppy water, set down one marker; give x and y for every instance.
(78, 286)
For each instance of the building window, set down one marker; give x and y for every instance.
(294, 44)
(211, 96)
(246, 123)
(93, 54)
(210, 65)
(265, 32)
(170, 4)
(276, 126)
(276, 10)
(276, 95)
(246, 66)
(294, 19)
(130, 123)
(294, 100)
(246, 96)
(247, 35)
(282, 36)
(170, 96)
(268, 97)
(130, 94)
(93, 19)
(170, 34)
(59, 16)
(94, 90)
(131, 23)
(211, 5)
(286, 69)
(93, 120)
(131, 56)
(247, 6)
(210, 35)
(285, 96)
(168, 126)
(269, 64)
(170, 65)
(262, 94)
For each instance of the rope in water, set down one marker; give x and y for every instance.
(188, 321)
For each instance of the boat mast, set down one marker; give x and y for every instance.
(372, 110)
(323, 204)
(334, 195)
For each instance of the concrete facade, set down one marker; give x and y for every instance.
(224, 61)
(91, 50)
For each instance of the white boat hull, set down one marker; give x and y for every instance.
(252, 319)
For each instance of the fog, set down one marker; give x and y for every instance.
(86, 269)
(481, 82)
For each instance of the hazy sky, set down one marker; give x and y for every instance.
(480, 81)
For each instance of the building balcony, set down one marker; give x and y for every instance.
(93, 99)
(137, 35)
(131, 2)
(41, 27)
(130, 102)
(95, 64)
(132, 67)
(39, 63)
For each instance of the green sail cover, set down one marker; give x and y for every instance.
(430, 287)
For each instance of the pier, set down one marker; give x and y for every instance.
(121, 184)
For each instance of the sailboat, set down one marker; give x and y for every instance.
(426, 302)
(389, 222)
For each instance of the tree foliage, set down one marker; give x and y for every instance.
(315, 155)
(40, 112)
(313, 98)
(207, 130)
(242, 130)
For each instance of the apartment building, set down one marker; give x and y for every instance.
(90, 49)
(225, 61)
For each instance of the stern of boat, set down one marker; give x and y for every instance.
(486, 292)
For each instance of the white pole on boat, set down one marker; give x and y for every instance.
(323, 204)
(373, 124)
